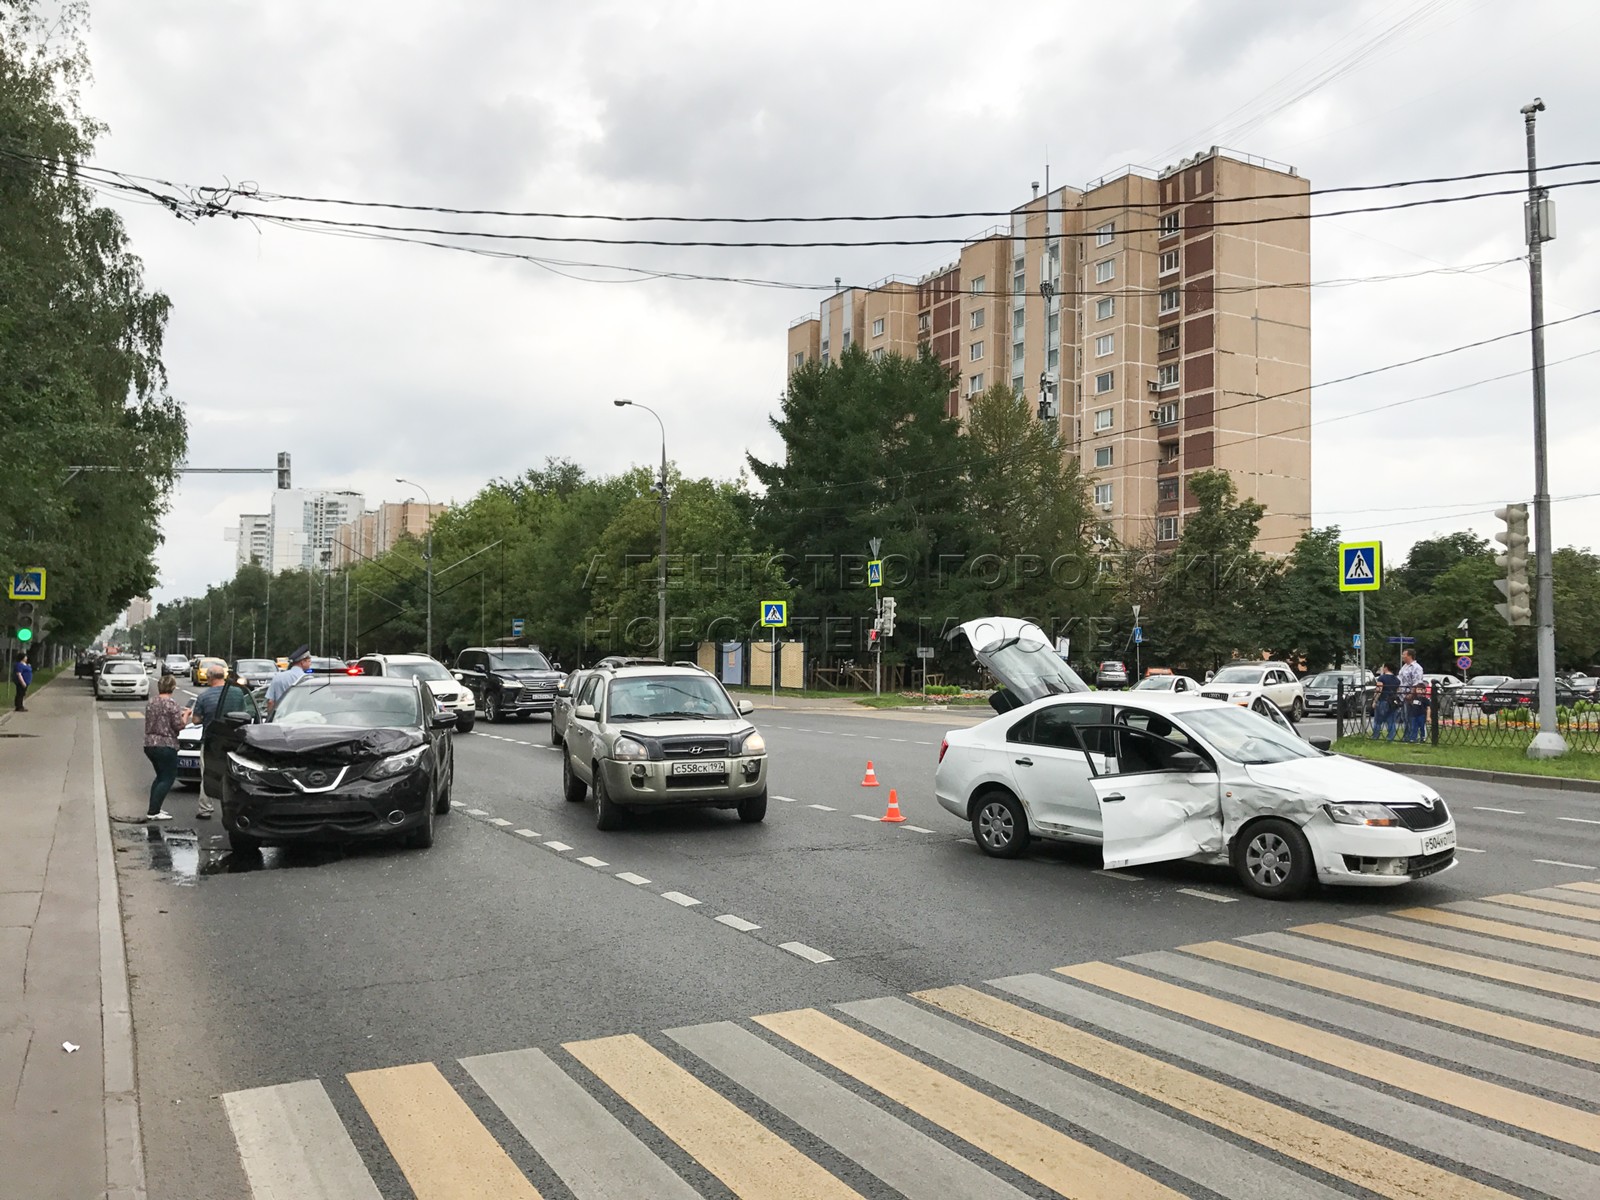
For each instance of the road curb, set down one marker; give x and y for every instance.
(1553, 783)
(125, 1179)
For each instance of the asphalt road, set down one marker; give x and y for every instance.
(525, 930)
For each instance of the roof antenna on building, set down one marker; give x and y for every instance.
(1035, 189)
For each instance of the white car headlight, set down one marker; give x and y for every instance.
(1363, 814)
(395, 764)
(627, 750)
(754, 744)
(1241, 693)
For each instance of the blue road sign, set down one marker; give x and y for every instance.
(875, 573)
(516, 627)
(27, 585)
(1402, 641)
(1138, 635)
(774, 614)
(1360, 566)
(1355, 641)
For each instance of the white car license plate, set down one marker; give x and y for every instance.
(1438, 842)
(714, 767)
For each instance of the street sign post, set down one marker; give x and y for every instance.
(924, 651)
(774, 616)
(1355, 641)
(27, 585)
(1361, 571)
(517, 627)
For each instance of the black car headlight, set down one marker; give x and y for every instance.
(244, 768)
(396, 764)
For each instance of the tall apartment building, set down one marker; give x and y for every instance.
(376, 531)
(254, 539)
(1163, 321)
(303, 525)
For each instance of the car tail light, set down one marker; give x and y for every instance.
(944, 745)
(354, 671)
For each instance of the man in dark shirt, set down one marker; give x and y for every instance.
(1389, 707)
(21, 678)
(201, 714)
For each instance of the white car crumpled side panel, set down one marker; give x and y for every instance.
(1201, 821)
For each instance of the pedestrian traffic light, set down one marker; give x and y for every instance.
(25, 620)
(1517, 610)
(872, 637)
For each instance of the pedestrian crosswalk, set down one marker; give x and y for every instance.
(1432, 1052)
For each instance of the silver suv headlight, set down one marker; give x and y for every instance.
(753, 743)
(396, 764)
(626, 749)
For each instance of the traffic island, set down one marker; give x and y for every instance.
(1578, 770)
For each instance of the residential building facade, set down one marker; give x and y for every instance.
(254, 540)
(303, 525)
(376, 531)
(1161, 320)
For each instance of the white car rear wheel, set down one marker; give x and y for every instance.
(999, 825)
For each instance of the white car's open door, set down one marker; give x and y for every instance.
(1157, 802)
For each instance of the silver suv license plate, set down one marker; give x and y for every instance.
(713, 767)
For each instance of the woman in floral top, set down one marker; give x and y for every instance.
(162, 720)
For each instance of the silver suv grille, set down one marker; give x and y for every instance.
(694, 747)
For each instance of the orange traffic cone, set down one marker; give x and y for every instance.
(893, 815)
(871, 779)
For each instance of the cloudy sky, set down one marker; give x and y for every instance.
(374, 359)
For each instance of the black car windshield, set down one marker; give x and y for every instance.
(427, 669)
(668, 698)
(256, 666)
(1248, 737)
(518, 660)
(1033, 668)
(1330, 680)
(1238, 675)
(351, 705)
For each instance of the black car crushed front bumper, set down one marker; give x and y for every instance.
(357, 810)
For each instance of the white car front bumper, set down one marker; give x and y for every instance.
(1372, 856)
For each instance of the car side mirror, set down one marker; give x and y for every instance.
(1186, 761)
(1320, 743)
(555, 666)
(238, 717)
(585, 712)
(563, 690)
(443, 720)
(460, 678)
(746, 708)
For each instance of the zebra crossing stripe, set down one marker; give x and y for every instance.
(292, 1143)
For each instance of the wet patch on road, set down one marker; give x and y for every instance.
(186, 856)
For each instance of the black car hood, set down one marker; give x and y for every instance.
(329, 744)
(525, 675)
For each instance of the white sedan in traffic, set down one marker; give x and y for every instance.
(1152, 777)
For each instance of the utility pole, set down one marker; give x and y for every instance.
(661, 580)
(1540, 222)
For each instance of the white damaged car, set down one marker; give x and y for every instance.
(1152, 777)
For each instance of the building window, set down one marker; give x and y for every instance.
(975, 384)
(1166, 529)
(975, 352)
(877, 327)
(1053, 361)
(1166, 489)
(1019, 283)
(1052, 327)
(1167, 414)
(1168, 225)
(1169, 301)
(1102, 457)
(1169, 452)
(1102, 420)
(1016, 384)
(1166, 377)
(1103, 235)
(1102, 495)
(1104, 382)
(1016, 320)
(978, 285)
(1105, 308)
(877, 354)
(1167, 339)
(799, 359)
(844, 341)
(1105, 344)
(1105, 270)
(824, 351)
(977, 318)
(1169, 262)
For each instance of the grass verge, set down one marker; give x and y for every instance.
(899, 701)
(1575, 764)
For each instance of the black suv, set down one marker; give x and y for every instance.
(509, 681)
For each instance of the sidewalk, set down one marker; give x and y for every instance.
(68, 1120)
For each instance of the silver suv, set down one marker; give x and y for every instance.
(662, 737)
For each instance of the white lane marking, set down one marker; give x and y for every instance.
(476, 812)
(527, 833)
(1510, 812)
(965, 842)
(902, 741)
(1119, 875)
(1555, 862)
(863, 817)
(871, 737)
(680, 898)
(292, 1142)
(457, 804)
(806, 952)
(733, 922)
(590, 861)
(916, 829)
(1468, 850)
(787, 799)
(822, 808)
(1209, 896)
(558, 847)
(630, 877)
(500, 821)
(1579, 820)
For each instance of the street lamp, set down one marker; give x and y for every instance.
(427, 555)
(661, 580)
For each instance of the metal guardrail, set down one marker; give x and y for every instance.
(1444, 720)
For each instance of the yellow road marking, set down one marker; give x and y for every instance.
(1423, 1079)
(1446, 1012)
(1499, 929)
(1553, 907)
(754, 1162)
(443, 1149)
(1039, 1152)
(1582, 885)
(1471, 964)
(1304, 1139)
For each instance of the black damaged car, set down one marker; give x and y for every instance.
(342, 758)
(509, 682)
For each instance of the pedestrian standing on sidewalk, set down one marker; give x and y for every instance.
(21, 677)
(1413, 696)
(201, 714)
(162, 720)
(1386, 713)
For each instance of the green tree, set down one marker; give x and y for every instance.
(1306, 617)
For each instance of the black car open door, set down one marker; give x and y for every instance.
(236, 712)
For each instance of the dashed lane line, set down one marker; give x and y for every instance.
(733, 922)
(822, 808)
(1209, 896)
(680, 898)
(1556, 862)
(589, 860)
(1579, 820)
(809, 953)
(527, 833)
(1510, 812)
(558, 847)
(630, 877)
(500, 821)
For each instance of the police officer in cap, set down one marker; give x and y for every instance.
(299, 667)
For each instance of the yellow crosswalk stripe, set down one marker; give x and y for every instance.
(443, 1149)
(1039, 1152)
(1446, 1012)
(1324, 1147)
(1582, 885)
(1490, 1100)
(754, 1162)
(1456, 960)
(1500, 929)
(1553, 907)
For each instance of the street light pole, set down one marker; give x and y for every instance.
(661, 579)
(427, 555)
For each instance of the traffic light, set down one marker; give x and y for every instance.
(1517, 610)
(283, 470)
(25, 621)
(872, 638)
(887, 620)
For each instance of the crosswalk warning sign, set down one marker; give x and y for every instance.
(774, 614)
(27, 585)
(1360, 566)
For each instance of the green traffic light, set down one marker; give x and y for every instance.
(24, 635)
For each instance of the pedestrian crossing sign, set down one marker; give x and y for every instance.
(27, 585)
(1463, 647)
(774, 614)
(875, 572)
(1360, 566)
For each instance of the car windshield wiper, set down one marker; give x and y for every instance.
(691, 716)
